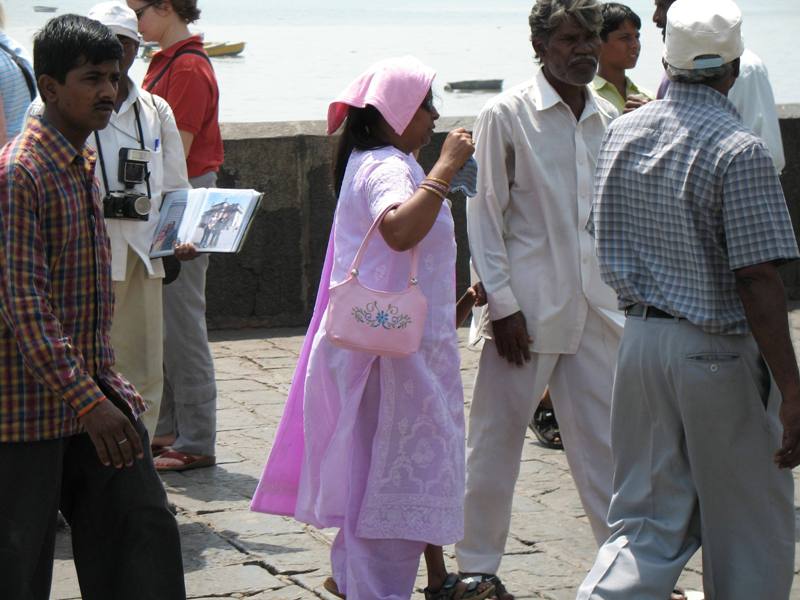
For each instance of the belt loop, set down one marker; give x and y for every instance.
(645, 310)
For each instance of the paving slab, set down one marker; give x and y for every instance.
(230, 552)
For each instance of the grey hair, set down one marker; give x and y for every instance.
(706, 76)
(548, 15)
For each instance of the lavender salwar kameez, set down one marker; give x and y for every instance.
(383, 438)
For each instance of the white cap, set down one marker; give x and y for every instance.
(117, 17)
(703, 35)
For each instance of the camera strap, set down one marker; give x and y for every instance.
(141, 145)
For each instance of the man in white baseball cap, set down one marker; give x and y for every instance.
(706, 403)
(141, 121)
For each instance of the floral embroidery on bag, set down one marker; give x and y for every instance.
(374, 316)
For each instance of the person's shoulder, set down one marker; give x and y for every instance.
(22, 159)
(750, 63)
(510, 99)
(605, 107)
(155, 103)
(386, 157)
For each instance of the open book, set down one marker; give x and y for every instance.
(213, 219)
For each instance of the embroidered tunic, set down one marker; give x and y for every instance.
(416, 476)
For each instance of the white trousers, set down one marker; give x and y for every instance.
(137, 335)
(694, 428)
(503, 403)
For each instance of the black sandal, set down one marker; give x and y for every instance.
(500, 591)
(450, 588)
(545, 428)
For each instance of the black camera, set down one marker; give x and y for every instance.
(126, 205)
(129, 204)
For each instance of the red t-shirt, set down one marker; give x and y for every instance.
(190, 87)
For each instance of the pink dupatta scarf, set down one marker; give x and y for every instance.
(397, 88)
(277, 490)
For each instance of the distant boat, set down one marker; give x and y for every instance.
(43, 8)
(474, 85)
(217, 49)
(213, 49)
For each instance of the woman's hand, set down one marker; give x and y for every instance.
(456, 150)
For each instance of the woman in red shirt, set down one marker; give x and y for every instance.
(182, 74)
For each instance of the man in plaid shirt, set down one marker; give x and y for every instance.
(70, 436)
(690, 223)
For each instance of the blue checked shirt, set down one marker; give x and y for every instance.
(14, 89)
(685, 195)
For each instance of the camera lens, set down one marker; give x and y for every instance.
(142, 205)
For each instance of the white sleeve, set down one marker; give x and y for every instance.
(753, 98)
(175, 175)
(494, 152)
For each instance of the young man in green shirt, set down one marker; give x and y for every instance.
(619, 52)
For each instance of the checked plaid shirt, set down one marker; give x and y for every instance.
(56, 299)
(684, 195)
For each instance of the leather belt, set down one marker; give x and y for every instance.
(648, 312)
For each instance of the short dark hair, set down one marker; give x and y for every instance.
(70, 41)
(186, 9)
(614, 15)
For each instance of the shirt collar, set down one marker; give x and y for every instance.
(133, 96)
(545, 96)
(58, 149)
(698, 93)
(599, 83)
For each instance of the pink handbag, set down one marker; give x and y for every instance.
(382, 323)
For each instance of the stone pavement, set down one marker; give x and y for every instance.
(229, 552)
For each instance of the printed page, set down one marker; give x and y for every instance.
(221, 220)
(173, 208)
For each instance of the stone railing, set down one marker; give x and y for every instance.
(272, 282)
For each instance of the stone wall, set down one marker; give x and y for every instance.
(273, 281)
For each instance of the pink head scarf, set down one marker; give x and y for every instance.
(395, 86)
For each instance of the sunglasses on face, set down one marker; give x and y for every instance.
(428, 104)
(141, 10)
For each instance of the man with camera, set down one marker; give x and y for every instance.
(140, 157)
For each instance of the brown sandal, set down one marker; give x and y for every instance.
(330, 586)
(185, 461)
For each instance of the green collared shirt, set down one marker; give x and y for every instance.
(606, 89)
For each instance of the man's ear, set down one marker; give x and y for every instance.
(540, 48)
(48, 88)
(736, 65)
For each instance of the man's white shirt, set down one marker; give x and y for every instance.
(167, 172)
(526, 226)
(752, 96)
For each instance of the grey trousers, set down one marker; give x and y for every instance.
(189, 405)
(694, 425)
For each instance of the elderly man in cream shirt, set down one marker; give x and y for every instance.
(551, 321)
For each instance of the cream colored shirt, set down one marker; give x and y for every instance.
(527, 224)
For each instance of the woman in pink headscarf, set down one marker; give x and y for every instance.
(380, 453)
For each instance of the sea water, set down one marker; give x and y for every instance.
(301, 53)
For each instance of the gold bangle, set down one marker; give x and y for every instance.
(437, 180)
(433, 191)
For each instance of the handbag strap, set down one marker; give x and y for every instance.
(412, 280)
